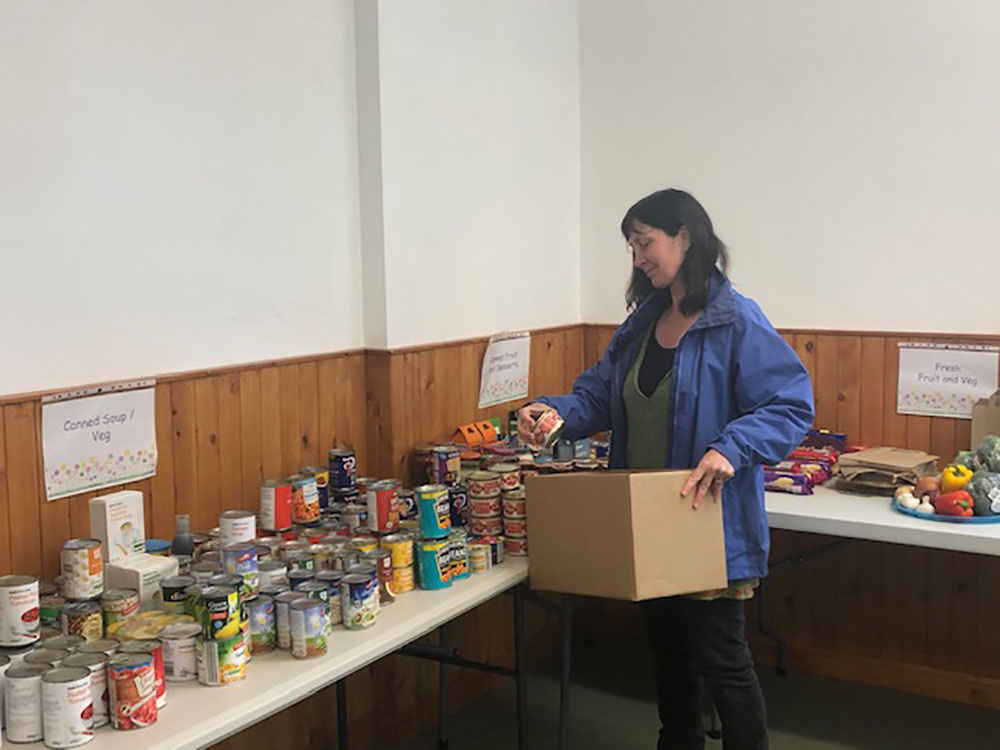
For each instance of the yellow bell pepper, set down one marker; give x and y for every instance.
(954, 478)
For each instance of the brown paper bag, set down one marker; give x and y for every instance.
(985, 419)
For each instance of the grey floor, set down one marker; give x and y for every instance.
(613, 708)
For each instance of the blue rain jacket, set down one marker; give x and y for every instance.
(738, 388)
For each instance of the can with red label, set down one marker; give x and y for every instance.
(549, 425)
(322, 476)
(486, 506)
(514, 505)
(19, 624)
(516, 545)
(483, 483)
(510, 475)
(305, 499)
(383, 514)
(237, 526)
(382, 560)
(97, 665)
(515, 527)
(23, 702)
(132, 682)
(82, 569)
(275, 505)
(67, 707)
(486, 525)
(343, 465)
(155, 649)
(496, 545)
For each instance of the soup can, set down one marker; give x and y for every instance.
(67, 707)
(308, 627)
(221, 612)
(402, 580)
(132, 683)
(343, 465)
(180, 645)
(272, 572)
(23, 702)
(263, 631)
(514, 505)
(82, 569)
(119, 605)
(275, 505)
(241, 559)
(107, 646)
(202, 571)
(322, 476)
(433, 563)
(510, 475)
(434, 509)
(446, 462)
(51, 657)
(406, 503)
(154, 648)
(480, 557)
(486, 506)
(549, 425)
(516, 545)
(63, 642)
(97, 665)
(383, 513)
(221, 661)
(173, 592)
(281, 621)
(84, 619)
(305, 499)
(19, 624)
(358, 601)
(400, 547)
(486, 525)
(458, 505)
(50, 611)
(483, 483)
(237, 526)
(514, 527)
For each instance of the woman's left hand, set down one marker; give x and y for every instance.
(711, 473)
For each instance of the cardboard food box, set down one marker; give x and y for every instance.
(985, 419)
(143, 573)
(622, 535)
(117, 520)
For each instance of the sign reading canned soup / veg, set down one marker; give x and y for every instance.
(98, 441)
(944, 380)
(505, 369)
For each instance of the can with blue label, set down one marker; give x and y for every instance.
(343, 465)
(322, 476)
(459, 555)
(434, 508)
(241, 559)
(458, 502)
(434, 563)
(406, 503)
(358, 601)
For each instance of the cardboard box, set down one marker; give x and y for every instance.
(985, 419)
(622, 535)
(143, 573)
(118, 521)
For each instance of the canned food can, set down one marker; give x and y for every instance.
(84, 619)
(514, 527)
(50, 611)
(363, 567)
(19, 623)
(480, 557)
(402, 580)
(459, 557)
(273, 573)
(514, 505)
(486, 506)
(290, 546)
(446, 462)
(213, 555)
(63, 642)
(173, 592)
(406, 503)
(221, 661)
(434, 509)
(358, 601)
(241, 559)
(383, 513)
(221, 615)
(264, 553)
(180, 644)
(355, 516)
(364, 543)
(483, 483)
(263, 631)
(496, 544)
(23, 702)
(281, 621)
(332, 579)
(82, 569)
(96, 665)
(322, 476)
(132, 683)
(305, 499)
(549, 425)
(193, 604)
(345, 557)
(343, 465)
(319, 591)
(227, 579)
(107, 646)
(274, 589)
(382, 560)
(299, 559)
(51, 657)
(67, 707)
(308, 627)
(516, 545)
(118, 605)
(458, 505)
(204, 570)
(297, 577)
(486, 525)
(433, 563)
(510, 475)
(322, 554)
(154, 648)
(400, 547)
(275, 505)
(344, 496)
(237, 526)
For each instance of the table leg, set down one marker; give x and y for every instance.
(520, 677)
(442, 693)
(566, 621)
(341, 714)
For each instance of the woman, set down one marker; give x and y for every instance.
(696, 376)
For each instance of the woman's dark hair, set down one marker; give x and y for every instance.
(670, 210)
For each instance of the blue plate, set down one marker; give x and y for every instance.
(946, 519)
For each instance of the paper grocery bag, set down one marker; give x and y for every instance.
(985, 419)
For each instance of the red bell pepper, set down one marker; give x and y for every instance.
(954, 504)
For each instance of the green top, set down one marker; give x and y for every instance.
(647, 445)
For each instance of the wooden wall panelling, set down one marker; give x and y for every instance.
(893, 424)
(230, 443)
(270, 422)
(251, 469)
(22, 488)
(185, 449)
(291, 419)
(163, 481)
(209, 457)
(5, 524)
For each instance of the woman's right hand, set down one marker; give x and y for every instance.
(527, 418)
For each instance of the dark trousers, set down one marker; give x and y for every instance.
(698, 643)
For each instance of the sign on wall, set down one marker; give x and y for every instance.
(505, 369)
(945, 380)
(98, 441)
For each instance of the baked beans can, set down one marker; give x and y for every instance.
(202, 571)
(434, 509)
(272, 573)
(400, 548)
(358, 601)
(82, 569)
(305, 499)
(514, 527)
(107, 646)
(132, 683)
(154, 648)
(221, 612)
(383, 513)
(496, 544)
(402, 580)
(516, 545)
(263, 631)
(221, 661)
(281, 621)
(275, 505)
(119, 605)
(433, 563)
(308, 628)
(241, 559)
(84, 619)
(458, 504)
(486, 506)
(23, 702)
(480, 557)
(19, 619)
(173, 592)
(51, 657)
(486, 525)
(237, 526)
(483, 483)
(67, 707)
(406, 503)
(445, 464)
(97, 666)
(50, 610)
(459, 556)
(343, 465)
(64, 642)
(514, 505)
(180, 642)
(322, 476)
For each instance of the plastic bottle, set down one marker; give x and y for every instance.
(183, 543)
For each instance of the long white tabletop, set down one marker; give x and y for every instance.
(198, 716)
(870, 517)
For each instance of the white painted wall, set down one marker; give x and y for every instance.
(178, 186)
(480, 166)
(847, 151)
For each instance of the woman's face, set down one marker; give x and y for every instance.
(657, 254)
